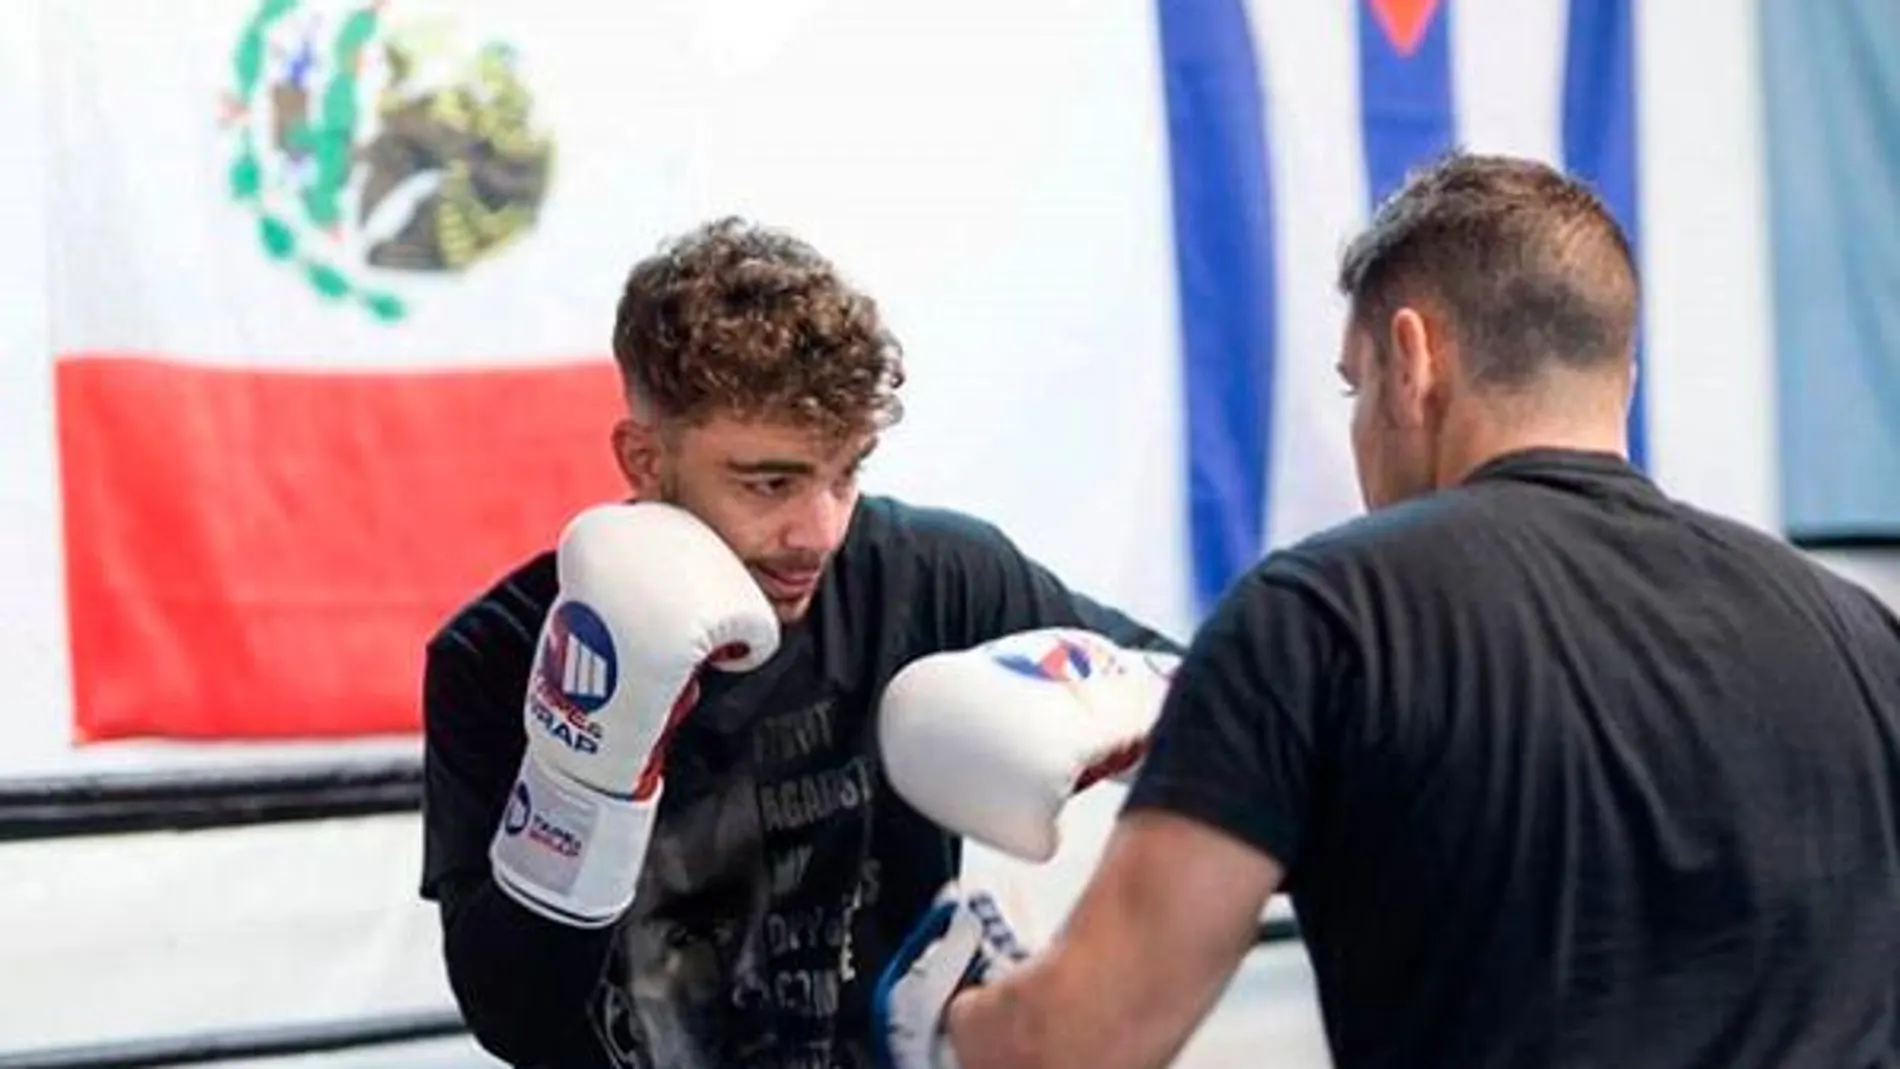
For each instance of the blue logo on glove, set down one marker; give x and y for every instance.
(997, 933)
(1065, 661)
(578, 663)
(520, 807)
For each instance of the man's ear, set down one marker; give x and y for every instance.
(637, 451)
(1417, 375)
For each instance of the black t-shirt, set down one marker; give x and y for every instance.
(1562, 773)
(782, 872)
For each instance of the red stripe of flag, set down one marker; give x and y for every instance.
(262, 554)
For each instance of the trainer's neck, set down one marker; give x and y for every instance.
(1478, 433)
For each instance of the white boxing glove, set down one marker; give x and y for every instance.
(992, 742)
(649, 596)
(963, 940)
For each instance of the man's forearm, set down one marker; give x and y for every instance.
(1030, 1020)
(522, 981)
(991, 1026)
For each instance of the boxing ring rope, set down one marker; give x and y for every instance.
(117, 803)
(235, 1044)
(121, 803)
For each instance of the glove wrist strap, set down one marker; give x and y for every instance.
(567, 852)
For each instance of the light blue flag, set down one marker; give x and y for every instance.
(1832, 93)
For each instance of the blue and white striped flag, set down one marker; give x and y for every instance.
(1286, 124)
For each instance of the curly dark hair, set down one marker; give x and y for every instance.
(733, 318)
(1527, 262)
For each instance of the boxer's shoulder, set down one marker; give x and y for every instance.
(911, 533)
(921, 574)
(901, 545)
(497, 628)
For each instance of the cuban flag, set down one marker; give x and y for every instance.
(1286, 125)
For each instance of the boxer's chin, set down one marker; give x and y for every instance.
(790, 591)
(791, 612)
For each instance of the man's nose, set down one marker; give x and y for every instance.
(819, 522)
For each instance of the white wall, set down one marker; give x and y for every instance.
(126, 936)
(32, 629)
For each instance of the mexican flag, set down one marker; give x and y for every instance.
(332, 285)
(331, 291)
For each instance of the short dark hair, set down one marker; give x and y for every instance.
(1527, 264)
(741, 319)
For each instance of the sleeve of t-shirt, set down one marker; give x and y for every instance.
(522, 982)
(471, 751)
(1238, 742)
(988, 587)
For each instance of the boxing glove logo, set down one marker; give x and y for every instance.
(1064, 658)
(999, 936)
(520, 809)
(575, 674)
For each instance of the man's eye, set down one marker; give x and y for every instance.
(773, 487)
